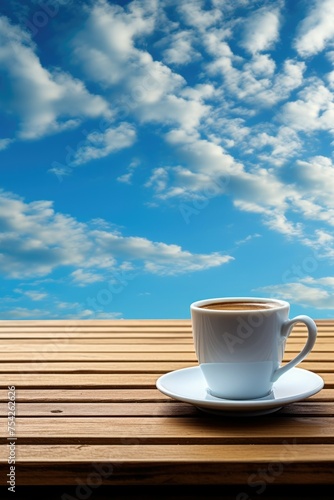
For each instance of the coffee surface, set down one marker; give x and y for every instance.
(239, 306)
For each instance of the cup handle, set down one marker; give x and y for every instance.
(285, 331)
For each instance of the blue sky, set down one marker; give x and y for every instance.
(153, 153)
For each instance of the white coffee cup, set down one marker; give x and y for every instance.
(240, 344)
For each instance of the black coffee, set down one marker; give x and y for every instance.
(239, 306)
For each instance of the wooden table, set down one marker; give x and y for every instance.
(89, 421)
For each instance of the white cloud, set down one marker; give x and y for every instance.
(180, 50)
(46, 101)
(194, 15)
(36, 296)
(101, 144)
(174, 110)
(26, 313)
(260, 188)
(83, 278)
(4, 143)
(285, 198)
(326, 281)
(216, 45)
(314, 195)
(210, 171)
(59, 310)
(210, 168)
(89, 314)
(184, 261)
(127, 177)
(317, 29)
(247, 239)
(32, 294)
(158, 179)
(277, 147)
(139, 86)
(35, 240)
(261, 30)
(308, 292)
(257, 80)
(106, 45)
(316, 179)
(277, 221)
(158, 257)
(314, 110)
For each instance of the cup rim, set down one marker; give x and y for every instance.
(197, 305)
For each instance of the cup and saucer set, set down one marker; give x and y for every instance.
(240, 343)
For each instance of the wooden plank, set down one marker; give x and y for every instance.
(133, 331)
(47, 355)
(93, 341)
(51, 354)
(289, 452)
(26, 331)
(308, 408)
(138, 408)
(60, 334)
(96, 394)
(200, 429)
(166, 475)
(317, 366)
(92, 367)
(166, 490)
(64, 347)
(109, 323)
(79, 380)
(169, 464)
(121, 367)
(73, 323)
(21, 342)
(97, 380)
(119, 327)
(140, 344)
(130, 347)
(67, 347)
(98, 409)
(114, 395)
(173, 322)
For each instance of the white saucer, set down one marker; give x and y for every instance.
(188, 385)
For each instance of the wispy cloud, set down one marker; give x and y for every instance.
(83, 278)
(127, 177)
(46, 101)
(247, 239)
(98, 145)
(308, 292)
(67, 311)
(4, 143)
(35, 240)
(34, 295)
(27, 313)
